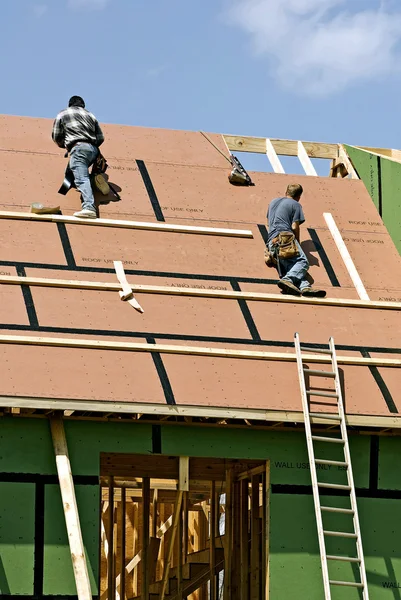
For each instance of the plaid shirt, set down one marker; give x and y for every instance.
(76, 124)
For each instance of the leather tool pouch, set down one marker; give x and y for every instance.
(286, 245)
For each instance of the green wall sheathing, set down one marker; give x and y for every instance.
(17, 533)
(58, 573)
(25, 448)
(382, 178)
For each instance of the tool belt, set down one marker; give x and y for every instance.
(282, 247)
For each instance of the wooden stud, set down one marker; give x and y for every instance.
(183, 485)
(273, 158)
(70, 508)
(305, 160)
(266, 532)
(176, 516)
(168, 227)
(237, 569)
(244, 533)
(123, 542)
(190, 350)
(111, 590)
(212, 543)
(228, 535)
(255, 538)
(195, 292)
(343, 156)
(145, 538)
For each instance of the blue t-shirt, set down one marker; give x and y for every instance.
(281, 214)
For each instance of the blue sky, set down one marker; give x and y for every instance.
(323, 70)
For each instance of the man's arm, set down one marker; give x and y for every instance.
(99, 135)
(296, 229)
(58, 132)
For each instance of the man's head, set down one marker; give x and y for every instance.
(294, 190)
(76, 101)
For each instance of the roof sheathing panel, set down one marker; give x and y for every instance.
(190, 186)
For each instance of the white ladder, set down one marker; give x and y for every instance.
(337, 418)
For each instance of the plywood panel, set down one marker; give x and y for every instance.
(189, 179)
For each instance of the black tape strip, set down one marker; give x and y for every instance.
(324, 258)
(190, 338)
(381, 383)
(46, 479)
(379, 186)
(161, 371)
(65, 242)
(246, 313)
(156, 439)
(374, 463)
(306, 490)
(28, 299)
(264, 233)
(157, 209)
(39, 545)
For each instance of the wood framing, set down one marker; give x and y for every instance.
(212, 412)
(176, 516)
(199, 293)
(305, 160)
(168, 227)
(70, 507)
(273, 158)
(282, 147)
(345, 255)
(192, 350)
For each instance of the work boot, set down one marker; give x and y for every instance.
(312, 293)
(85, 213)
(288, 287)
(101, 184)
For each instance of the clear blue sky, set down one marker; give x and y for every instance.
(276, 68)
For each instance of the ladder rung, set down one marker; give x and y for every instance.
(345, 511)
(318, 350)
(347, 583)
(319, 373)
(340, 534)
(318, 438)
(323, 394)
(323, 416)
(335, 463)
(343, 558)
(334, 486)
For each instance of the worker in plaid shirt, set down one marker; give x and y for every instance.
(78, 130)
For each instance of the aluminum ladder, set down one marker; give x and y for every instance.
(337, 418)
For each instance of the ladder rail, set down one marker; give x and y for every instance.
(311, 454)
(350, 476)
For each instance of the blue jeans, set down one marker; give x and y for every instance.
(81, 158)
(295, 269)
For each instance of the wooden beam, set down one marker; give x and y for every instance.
(256, 414)
(305, 160)
(168, 227)
(145, 538)
(192, 350)
(228, 535)
(273, 158)
(183, 484)
(255, 541)
(70, 507)
(111, 587)
(244, 535)
(170, 549)
(282, 147)
(345, 255)
(195, 292)
(343, 156)
(266, 532)
(212, 543)
(123, 542)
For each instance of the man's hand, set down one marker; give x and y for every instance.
(295, 229)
